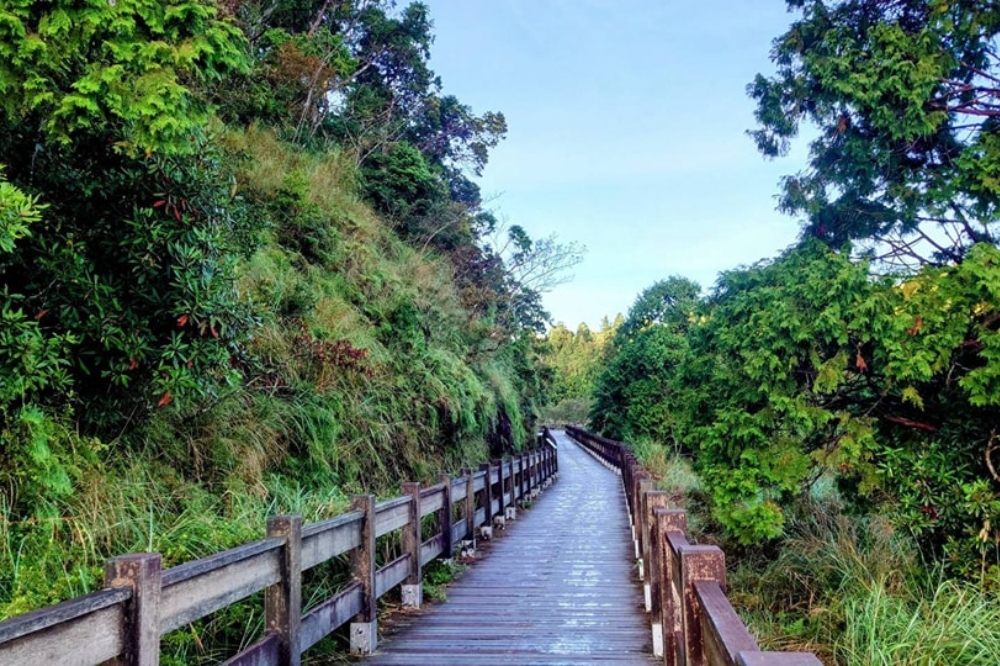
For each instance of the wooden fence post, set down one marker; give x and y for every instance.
(412, 590)
(552, 462)
(536, 478)
(501, 519)
(644, 486)
(141, 572)
(668, 610)
(445, 516)
(469, 510)
(653, 500)
(364, 626)
(523, 486)
(283, 600)
(511, 512)
(698, 563)
(487, 502)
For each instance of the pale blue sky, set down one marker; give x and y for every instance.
(627, 133)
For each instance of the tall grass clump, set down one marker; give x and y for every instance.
(794, 593)
(672, 471)
(951, 623)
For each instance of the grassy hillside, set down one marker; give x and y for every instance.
(245, 270)
(364, 369)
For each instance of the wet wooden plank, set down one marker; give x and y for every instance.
(195, 589)
(76, 639)
(557, 587)
(330, 614)
(724, 633)
(262, 653)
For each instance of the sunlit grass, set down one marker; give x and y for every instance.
(951, 624)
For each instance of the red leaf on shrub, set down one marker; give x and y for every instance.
(41, 313)
(133, 364)
(182, 321)
(165, 400)
(916, 326)
(860, 363)
(161, 202)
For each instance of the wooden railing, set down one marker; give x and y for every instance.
(141, 602)
(692, 621)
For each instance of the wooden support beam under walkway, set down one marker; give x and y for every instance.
(558, 586)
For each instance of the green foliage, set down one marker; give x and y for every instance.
(399, 183)
(629, 400)
(438, 574)
(123, 68)
(904, 97)
(123, 293)
(807, 366)
(30, 361)
(575, 359)
(134, 268)
(18, 211)
(41, 461)
(950, 624)
(202, 325)
(572, 411)
(854, 590)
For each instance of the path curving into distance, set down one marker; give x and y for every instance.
(557, 588)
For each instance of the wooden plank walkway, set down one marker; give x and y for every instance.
(558, 588)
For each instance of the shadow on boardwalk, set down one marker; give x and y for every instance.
(557, 588)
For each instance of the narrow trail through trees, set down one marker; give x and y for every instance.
(557, 588)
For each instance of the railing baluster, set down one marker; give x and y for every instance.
(364, 627)
(444, 517)
(141, 572)
(412, 591)
(283, 600)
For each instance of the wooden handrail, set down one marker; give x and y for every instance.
(141, 603)
(692, 621)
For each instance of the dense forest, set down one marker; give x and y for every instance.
(246, 269)
(839, 404)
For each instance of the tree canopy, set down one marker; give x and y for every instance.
(905, 97)
(806, 367)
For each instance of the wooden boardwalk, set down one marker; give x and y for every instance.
(558, 588)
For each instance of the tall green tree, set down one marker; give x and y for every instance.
(805, 367)
(905, 95)
(632, 394)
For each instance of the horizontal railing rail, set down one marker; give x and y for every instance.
(142, 602)
(692, 621)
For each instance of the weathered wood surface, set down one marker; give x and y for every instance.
(692, 621)
(557, 587)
